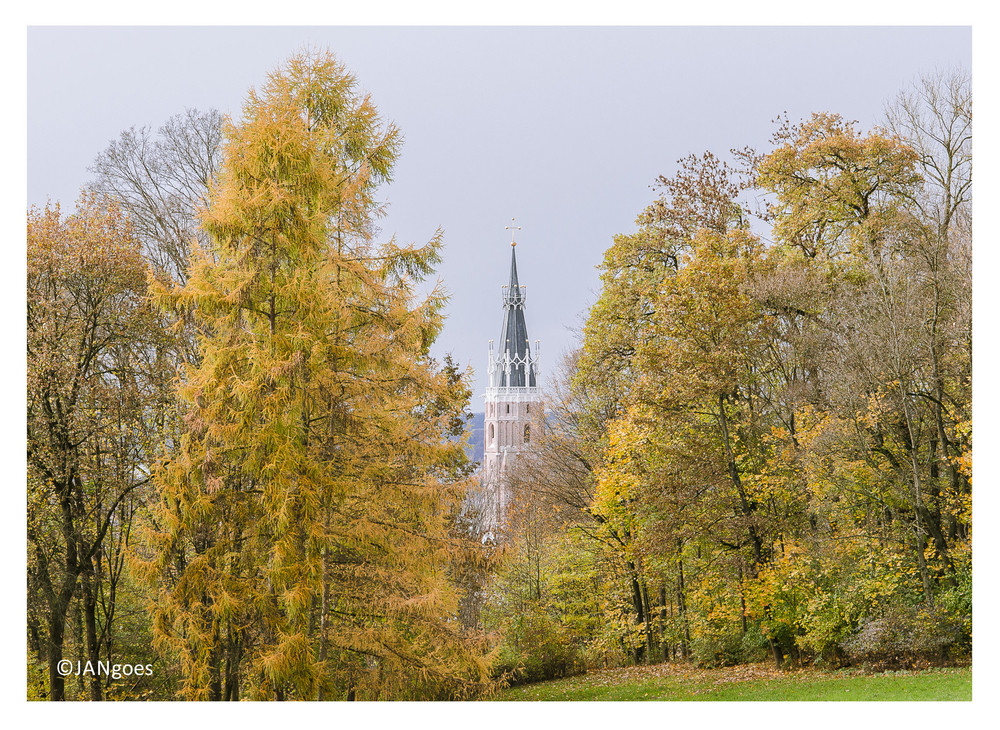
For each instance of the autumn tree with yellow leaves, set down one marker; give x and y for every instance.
(780, 417)
(94, 364)
(300, 544)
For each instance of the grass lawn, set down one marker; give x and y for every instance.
(752, 682)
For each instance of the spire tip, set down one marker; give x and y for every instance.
(512, 228)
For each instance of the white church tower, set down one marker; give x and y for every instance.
(513, 403)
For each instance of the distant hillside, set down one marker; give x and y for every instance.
(474, 450)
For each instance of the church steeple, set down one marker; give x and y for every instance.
(514, 364)
(513, 403)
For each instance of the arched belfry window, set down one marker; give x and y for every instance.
(527, 434)
(508, 409)
(492, 433)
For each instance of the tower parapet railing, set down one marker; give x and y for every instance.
(524, 390)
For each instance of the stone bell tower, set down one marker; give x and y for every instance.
(513, 403)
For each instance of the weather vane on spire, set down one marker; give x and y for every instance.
(512, 228)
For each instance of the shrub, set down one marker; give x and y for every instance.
(535, 648)
(908, 636)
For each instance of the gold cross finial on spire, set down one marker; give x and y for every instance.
(512, 228)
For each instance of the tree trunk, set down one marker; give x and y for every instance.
(324, 620)
(682, 605)
(743, 601)
(35, 642)
(916, 500)
(776, 652)
(234, 652)
(90, 627)
(57, 631)
(651, 650)
(746, 507)
(640, 616)
(215, 666)
(58, 601)
(664, 645)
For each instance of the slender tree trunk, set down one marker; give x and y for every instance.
(917, 502)
(233, 658)
(743, 601)
(651, 650)
(35, 642)
(59, 600)
(776, 652)
(214, 661)
(324, 619)
(682, 605)
(90, 627)
(640, 615)
(746, 507)
(664, 644)
(80, 644)
(57, 631)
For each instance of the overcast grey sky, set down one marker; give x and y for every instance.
(563, 128)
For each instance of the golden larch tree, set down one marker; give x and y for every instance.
(301, 545)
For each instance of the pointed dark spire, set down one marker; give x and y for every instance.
(514, 347)
(513, 292)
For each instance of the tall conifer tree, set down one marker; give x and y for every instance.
(301, 544)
